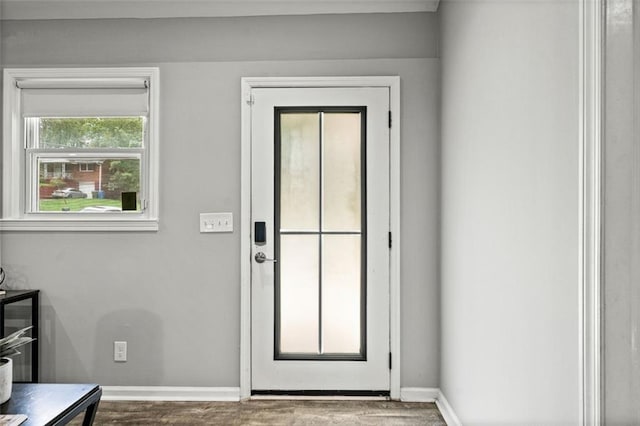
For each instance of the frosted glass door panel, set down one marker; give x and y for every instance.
(319, 155)
(299, 164)
(341, 294)
(299, 276)
(342, 173)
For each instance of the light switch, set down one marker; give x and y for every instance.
(216, 222)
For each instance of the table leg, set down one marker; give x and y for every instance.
(90, 414)
(35, 333)
(2, 320)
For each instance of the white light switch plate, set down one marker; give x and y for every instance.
(216, 222)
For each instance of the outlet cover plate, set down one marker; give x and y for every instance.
(120, 351)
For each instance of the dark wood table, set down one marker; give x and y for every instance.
(12, 296)
(53, 404)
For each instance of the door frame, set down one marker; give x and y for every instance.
(249, 83)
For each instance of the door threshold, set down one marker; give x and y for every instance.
(317, 398)
(325, 395)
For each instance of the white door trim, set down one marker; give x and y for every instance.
(248, 83)
(591, 39)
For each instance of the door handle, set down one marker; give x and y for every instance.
(260, 257)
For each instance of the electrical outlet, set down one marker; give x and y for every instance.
(120, 351)
(216, 222)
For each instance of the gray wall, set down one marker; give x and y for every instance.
(510, 211)
(174, 294)
(621, 216)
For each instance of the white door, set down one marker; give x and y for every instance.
(320, 248)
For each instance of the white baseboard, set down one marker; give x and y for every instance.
(419, 394)
(431, 395)
(169, 393)
(447, 411)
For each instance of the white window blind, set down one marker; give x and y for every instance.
(71, 98)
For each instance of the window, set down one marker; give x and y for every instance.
(77, 142)
(87, 167)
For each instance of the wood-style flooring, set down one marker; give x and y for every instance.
(268, 412)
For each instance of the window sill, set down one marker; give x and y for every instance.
(80, 225)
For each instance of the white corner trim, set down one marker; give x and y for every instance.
(419, 394)
(447, 412)
(169, 393)
(591, 23)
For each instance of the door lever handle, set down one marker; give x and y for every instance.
(260, 257)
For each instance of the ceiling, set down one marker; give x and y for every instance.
(87, 9)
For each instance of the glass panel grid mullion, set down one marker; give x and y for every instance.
(320, 219)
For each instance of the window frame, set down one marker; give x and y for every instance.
(15, 194)
(85, 167)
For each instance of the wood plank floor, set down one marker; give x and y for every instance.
(268, 412)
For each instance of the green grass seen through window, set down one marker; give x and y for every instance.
(75, 204)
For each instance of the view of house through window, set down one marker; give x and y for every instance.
(85, 164)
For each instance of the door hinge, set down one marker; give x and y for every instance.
(250, 99)
(390, 364)
(390, 119)
(390, 240)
